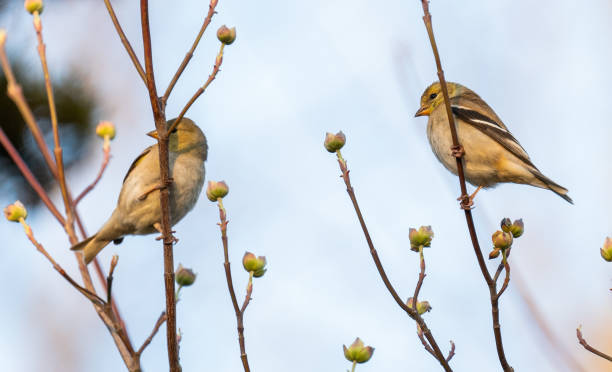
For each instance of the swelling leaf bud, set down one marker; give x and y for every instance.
(420, 237)
(106, 129)
(15, 212)
(334, 142)
(516, 228)
(494, 253)
(501, 240)
(254, 264)
(606, 250)
(226, 35)
(33, 6)
(216, 190)
(358, 352)
(422, 306)
(184, 277)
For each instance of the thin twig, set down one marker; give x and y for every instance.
(15, 93)
(59, 162)
(189, 55)
(164, 170)
(239, 311)
(29, 176)
(198, 93)
(125, 41)
(109, 279)
(90, 295)
(507, 279)
(411, 311)
(160, 321)
(590, 348)
(417, 289)
(465, 198)
(106, 151)
(451, 353)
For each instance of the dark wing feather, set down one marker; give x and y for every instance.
(136, 161)
(492, 128)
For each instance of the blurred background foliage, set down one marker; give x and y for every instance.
(75, 109)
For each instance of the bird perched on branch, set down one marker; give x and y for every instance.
(138, 209)
(491, 154)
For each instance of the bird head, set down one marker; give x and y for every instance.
(432, 97)
(185, 136)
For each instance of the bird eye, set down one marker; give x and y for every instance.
(433, 95)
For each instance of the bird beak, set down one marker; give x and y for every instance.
(423, 111)
(153, 134)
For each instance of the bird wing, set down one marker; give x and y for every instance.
(136, 161)
(494, 129)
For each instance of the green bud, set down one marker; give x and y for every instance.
(184, 277)
(15, 212)
(33, 6)
(334, 142)
(106, 129)
(358, 352)
(606, 250)
(226, 35)
(420, 237)
(501, 239)
(422, 306)
(216, 190)
(516, 228)
(254, 264)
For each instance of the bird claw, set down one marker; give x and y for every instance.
(467, 202)
(457, 151)
(156, 187)
(172, 238)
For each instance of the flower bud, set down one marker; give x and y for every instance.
(255, 264)
(606, 250)
(420, 237)
(33, 6)
(226, 35)
(494, 253)
(501, 239)
(216, 190)
(516, 228)
(184, 277)
(106, 129)
(358, 352)
(422, 306)
(334, 142)
(15, 212)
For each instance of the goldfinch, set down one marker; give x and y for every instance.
(491, 153)
(138, 209)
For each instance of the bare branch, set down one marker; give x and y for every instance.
(160, 321)
(590, 348)
(189, 55)
(98, 177)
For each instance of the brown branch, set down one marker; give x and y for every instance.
(29, 176)
(506, 280)
(160, 321)
(98, 177)
(88, 294)
(417, 289)
(125, 41)
(451, 353)
(465, 198)
(230, 286)
(164, 170)
(15, 93)
(590, 348)
(189, 55)
(411, 311)
(198, 93)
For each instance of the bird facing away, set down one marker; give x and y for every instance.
(492, 154)
(138, 209)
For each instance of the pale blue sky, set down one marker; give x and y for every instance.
(297, 70)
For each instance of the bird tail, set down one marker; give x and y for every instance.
(90, 247)
(553, 186)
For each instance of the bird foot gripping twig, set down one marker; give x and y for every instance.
(173, 239)
(160, 186)
(467, 201)
(457, 151)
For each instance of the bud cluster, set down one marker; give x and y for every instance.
(358, 352)
(503, 239)
(420, 238)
